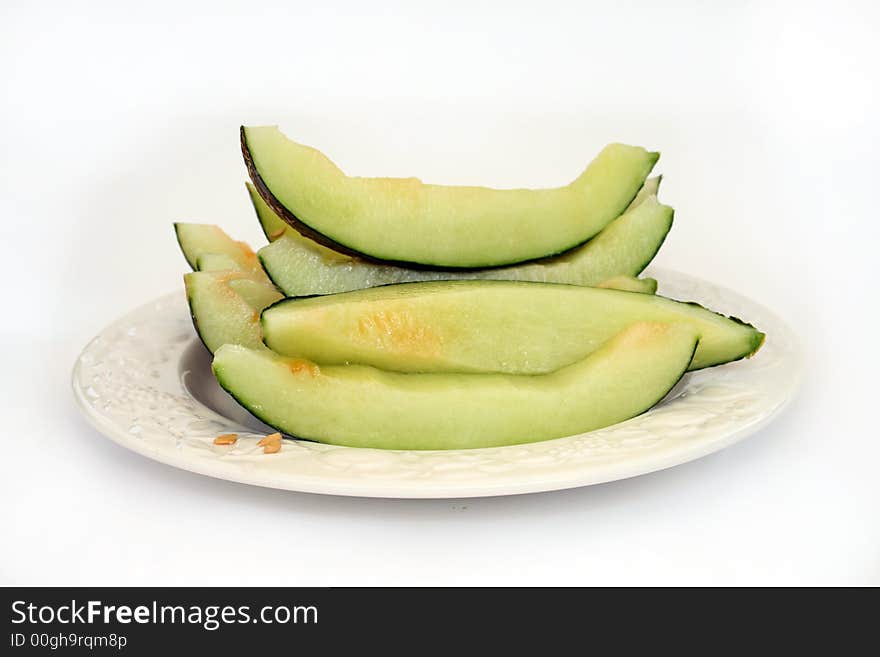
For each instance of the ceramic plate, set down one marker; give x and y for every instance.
(146, 383)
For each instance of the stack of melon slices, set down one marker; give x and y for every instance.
(389, 313)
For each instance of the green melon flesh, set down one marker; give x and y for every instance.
(225, 307)
(217, 262)
(407, 221)
(198, 240)
(630, 284)
(273, 226)
(650, 188)
(299, 266)
(362, 406)
(484, 326)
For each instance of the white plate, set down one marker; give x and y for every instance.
(146, 383)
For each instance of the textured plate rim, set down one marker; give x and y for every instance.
(207, 461)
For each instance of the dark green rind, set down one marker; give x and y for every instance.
(304, 229)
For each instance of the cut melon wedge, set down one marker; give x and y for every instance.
(273, 226)
(484, 326)
(362, 406)
(299, 266)
(225, 307)
(406, 221)
(197, 240)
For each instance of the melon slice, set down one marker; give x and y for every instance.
(362, 406)
(404, 220)
(485, 326)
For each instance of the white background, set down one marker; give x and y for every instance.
(116, 121)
